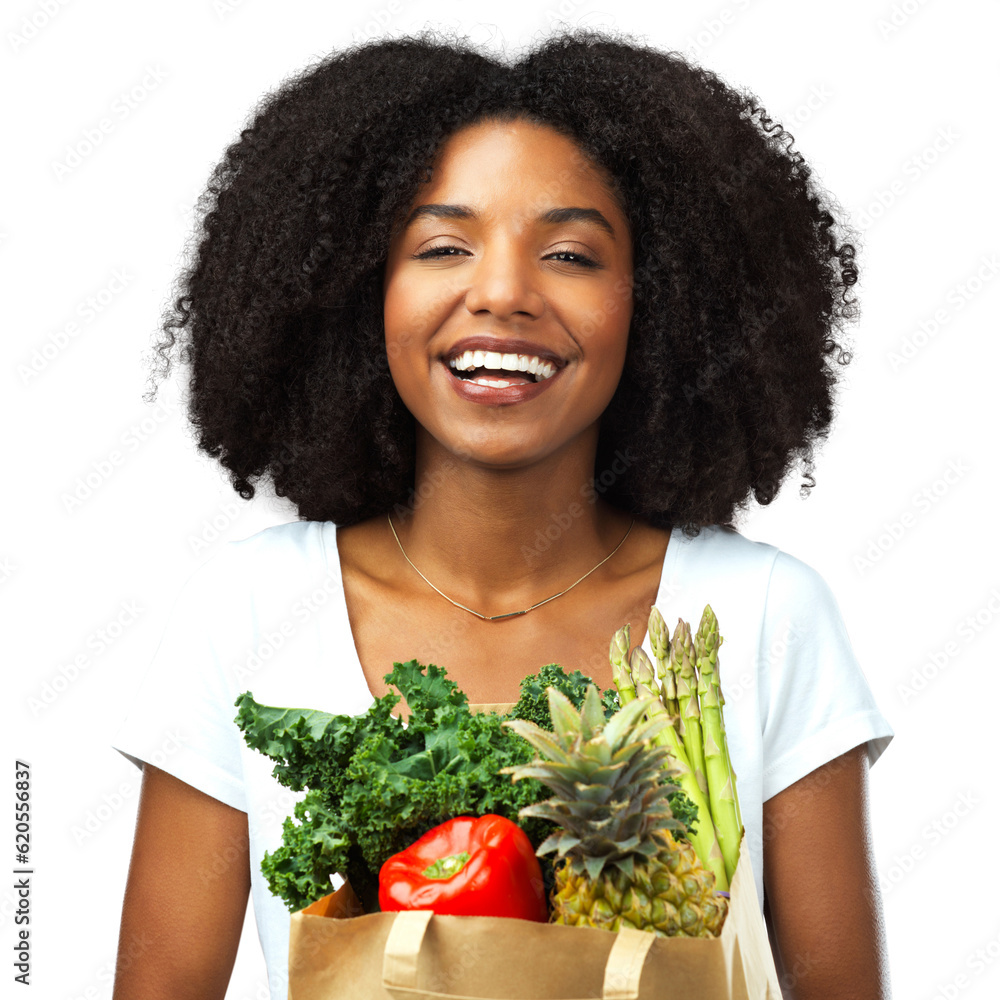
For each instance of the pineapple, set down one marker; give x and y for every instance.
(619, 864)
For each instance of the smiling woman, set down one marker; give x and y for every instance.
(532, 333)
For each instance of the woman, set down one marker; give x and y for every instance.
(518, 341)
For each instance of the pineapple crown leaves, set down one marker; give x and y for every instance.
(588, 725)
(609, 779)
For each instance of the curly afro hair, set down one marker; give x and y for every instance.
(741, 287)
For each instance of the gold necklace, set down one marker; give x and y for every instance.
(510, 614)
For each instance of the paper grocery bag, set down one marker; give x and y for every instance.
(338, 953)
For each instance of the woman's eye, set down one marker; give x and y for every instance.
(438, 252)
(580, 258)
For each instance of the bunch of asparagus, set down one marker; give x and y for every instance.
(685, 686)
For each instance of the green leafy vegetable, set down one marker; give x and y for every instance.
(375, 784)
(684, 810)
(533, 705)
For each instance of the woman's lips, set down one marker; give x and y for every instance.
(494, 395)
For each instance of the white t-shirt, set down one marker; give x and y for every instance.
(267, 614)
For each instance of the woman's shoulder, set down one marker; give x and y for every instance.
(296, 540)
(723, 547)
(289, 537)
(742, 577)
(787, 574)
(278, 554)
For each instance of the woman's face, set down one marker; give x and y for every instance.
(515, 248)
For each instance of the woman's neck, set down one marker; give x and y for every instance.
(500, 540)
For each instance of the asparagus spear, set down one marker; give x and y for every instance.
(640, 680)
(725, 742)
(620, 643)
(721, 786)
(688, 690)
(659, 641)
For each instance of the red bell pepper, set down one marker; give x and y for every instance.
(469, 866)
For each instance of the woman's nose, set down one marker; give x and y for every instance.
(504, 281)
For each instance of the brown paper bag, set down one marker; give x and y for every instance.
(337, 954)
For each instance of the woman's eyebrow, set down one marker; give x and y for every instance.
(554, 216)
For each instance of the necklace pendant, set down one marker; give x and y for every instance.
(510, 614)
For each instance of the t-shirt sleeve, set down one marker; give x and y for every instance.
(181, 719)
(816, 703)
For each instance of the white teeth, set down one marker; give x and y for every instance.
(470, 360)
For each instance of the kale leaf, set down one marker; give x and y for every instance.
(533, 704)
(686, 811)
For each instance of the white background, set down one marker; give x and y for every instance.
(894, 104)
